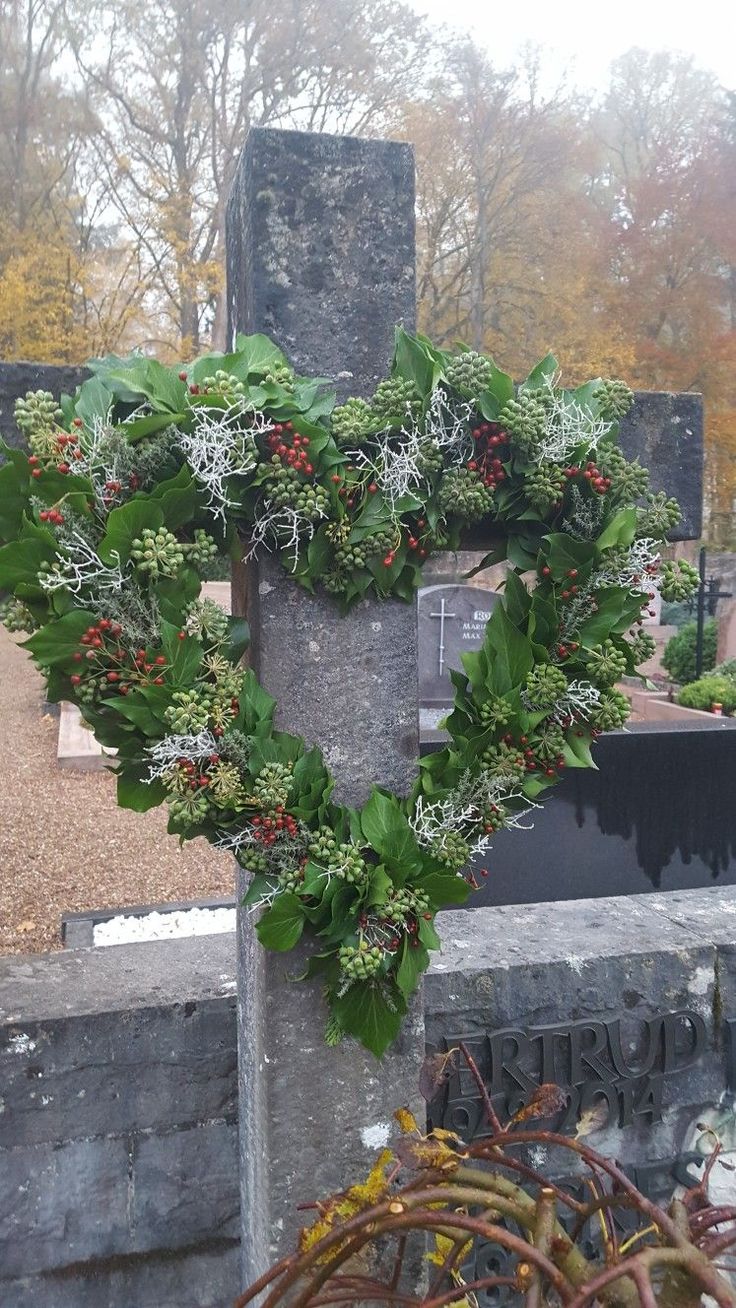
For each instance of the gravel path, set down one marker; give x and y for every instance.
(64, 843)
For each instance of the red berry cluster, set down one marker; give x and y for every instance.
(51, 515)
(531, 762)
(593, 474)
(66, 446)
(197, 780)
(268, 829)
(488, 437)
(100, 648)
(294, 455)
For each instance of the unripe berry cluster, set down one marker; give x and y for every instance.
(524, 418)
(15, 616)
(496, 712)
(403, 904)
(273, 784)
(545, 486)
(285, 489)
(643, 647)
(615, 398)
(469, 372)
(545, 685)
(189, 809)
(612, 711)
(660, 515)
(463, 494)
(430, 458)
(157, 553)
(360, 962)
(549, 742)
(606, 664)
(220, 383)
(188, 712)
(37, 411)
(627, 478)
(452, 849)
(678, 581)
(353, 420)
(504, 760)
(280, 374)
(202, 549)
(206, 619)
(342, 860)
(393, 398)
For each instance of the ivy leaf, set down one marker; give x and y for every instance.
(509, 652)
(148, 426)
(139, 795)
(21, 560)
(238, 639)
(256, 705)
(577, 750)
(57, 642)
(372, 1012)
(257, 890)
(13, 501)
(414, 960)
(183, 657)
(387, 830)
(256, 354)
(94, 400)
(282, 924)
(379, 887)
(547, 367)
(620, 530)
(124, 524)
(444, 888)
(517, 599)
(415, 361)
(428, 934)
(564, 553)
(612, 604)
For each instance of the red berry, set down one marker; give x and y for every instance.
(372, 488)
(181, 635)
(160, 660)
(546, 572)
(113, 676)
(335, 478)
(77, 657)
(182, 376)
(77, 422)
(75, 679)
(36, 472)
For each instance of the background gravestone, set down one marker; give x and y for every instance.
(451, 620)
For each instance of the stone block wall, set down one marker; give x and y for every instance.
(118, 1133)
(118, 1127)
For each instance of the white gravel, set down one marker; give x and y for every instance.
(124, 930)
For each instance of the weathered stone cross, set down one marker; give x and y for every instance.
(321, 256)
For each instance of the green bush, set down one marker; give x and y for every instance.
(679, 652)
(708, 691)
(726, 669)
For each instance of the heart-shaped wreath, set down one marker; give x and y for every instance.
(136, 485)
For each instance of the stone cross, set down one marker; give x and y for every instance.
(321, 256)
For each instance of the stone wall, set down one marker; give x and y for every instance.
(118, 1127)
(118, 1150)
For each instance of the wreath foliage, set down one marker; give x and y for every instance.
(136, 484)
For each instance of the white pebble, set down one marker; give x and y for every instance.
(124, 930)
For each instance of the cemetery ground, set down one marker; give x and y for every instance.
(66, 846)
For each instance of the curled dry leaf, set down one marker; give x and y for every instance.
(593, 1119)
(548, 1100)
(435, 1073)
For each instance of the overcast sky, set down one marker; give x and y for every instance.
(582, 37)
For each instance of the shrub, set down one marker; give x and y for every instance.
(726, 669)
(679, 652)
(707, 691)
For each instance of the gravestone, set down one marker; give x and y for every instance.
(451, 621)
(320, 255)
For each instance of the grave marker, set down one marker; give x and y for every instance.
(451, 622)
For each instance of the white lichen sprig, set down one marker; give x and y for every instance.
(463, 810)
(394, 460)
(82, 570)
(173, 749)
(285, 528)
(219, 447)
(579, 701)
(635, 569)
(568, 425)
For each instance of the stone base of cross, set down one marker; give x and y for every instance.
(321, 256)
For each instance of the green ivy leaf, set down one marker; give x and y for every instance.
(509, 652)
(443, 888)
(282, 924)
(414, 960)
(387, 830)
(56, 643)
(124, 524)
(139, 795)
(620, 530)
(372, 1012)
